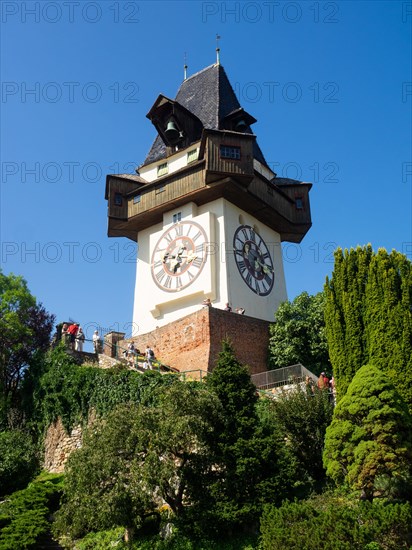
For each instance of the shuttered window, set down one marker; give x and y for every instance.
(192, 155)
(162, 169)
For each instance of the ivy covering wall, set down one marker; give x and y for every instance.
(69, 391)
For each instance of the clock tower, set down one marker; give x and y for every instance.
(207, 212)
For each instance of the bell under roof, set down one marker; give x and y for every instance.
(209, 95)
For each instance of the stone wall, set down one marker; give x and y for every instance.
(106, 362)
(58, 446)
(194, 342)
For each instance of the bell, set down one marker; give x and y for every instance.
(172, 132)
(240, 126)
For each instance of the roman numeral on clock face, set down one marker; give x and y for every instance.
(253, 260)
(179, 256)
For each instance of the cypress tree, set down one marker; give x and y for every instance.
(252, 464)
(368, 316)
(344, 314)
(388, 318)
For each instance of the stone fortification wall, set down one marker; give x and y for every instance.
(194, 341)
(59, 445)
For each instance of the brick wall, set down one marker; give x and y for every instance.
(194, 341)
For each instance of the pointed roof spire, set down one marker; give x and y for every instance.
(210, 97)
(217, 50)
(185, 67)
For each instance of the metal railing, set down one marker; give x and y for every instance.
(294, 374)
(137, 361)
(197, 375)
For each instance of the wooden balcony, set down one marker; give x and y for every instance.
(134, 205)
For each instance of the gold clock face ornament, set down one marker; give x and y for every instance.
(179, 256)
(253, 260)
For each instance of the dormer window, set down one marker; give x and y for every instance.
(162, 169)
(229, 152)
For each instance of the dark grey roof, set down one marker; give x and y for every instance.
(286, 181)
(209, 95)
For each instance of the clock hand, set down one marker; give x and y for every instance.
(190, 256)
(266, 268)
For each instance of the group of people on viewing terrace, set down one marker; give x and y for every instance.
(323, 383)
(207, 303)
(73, 336)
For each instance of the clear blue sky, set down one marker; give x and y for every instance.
(329, 82)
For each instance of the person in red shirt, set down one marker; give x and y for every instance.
(323, 381)
(72, 331)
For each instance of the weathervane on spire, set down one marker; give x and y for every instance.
(217, 50)
(185, 67)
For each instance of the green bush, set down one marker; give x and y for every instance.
(370, 437)
(103, 540)
(24, 513)
(178, 541)
(337, 526)
(18, 463)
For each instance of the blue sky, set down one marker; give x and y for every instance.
(330, 84)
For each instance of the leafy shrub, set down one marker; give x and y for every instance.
(337, 526)
(18, 463)
(103, 540)
(24, 513)
(303, 418)
(178, 541)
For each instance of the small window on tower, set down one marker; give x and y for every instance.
(162, 169)
(118, 199)
(229, 152)
(299, 203)
(191, 156)
(136, 199)
(177, 217)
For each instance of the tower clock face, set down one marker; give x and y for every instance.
(253, 260)
(179, 256)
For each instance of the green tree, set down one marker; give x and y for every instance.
(298, 334)
(137, 457)
(330, 524)
(25, 329)
(254, 466)
(368, 316)
(370, 437)
(388, 318)
(303, 418)
(344, 314)
(179, 459)
(18, 462)
(231, 382)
